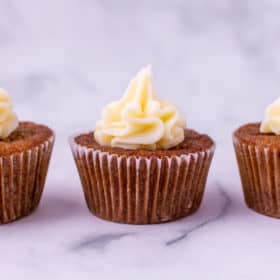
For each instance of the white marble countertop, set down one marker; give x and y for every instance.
(63, 60)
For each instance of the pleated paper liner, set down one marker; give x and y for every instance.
(259, 169)
(22, 179)
(139, 190)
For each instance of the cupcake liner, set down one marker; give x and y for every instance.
(139, 190)
(22, 178)
(259, 169)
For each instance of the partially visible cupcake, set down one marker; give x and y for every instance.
(257, 147)
(141, 165)
(25, 150)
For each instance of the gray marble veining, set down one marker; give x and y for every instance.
(222, 212)
(99, 242)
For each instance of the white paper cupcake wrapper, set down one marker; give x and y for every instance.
(139, 190)
(259, 169)
(22, 178)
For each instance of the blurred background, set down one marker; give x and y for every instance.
(63, 60)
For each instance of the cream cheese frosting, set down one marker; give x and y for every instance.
(271, 123)
(8, 119)
(140, 120)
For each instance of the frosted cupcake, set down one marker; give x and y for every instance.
(257, 147)
(25, 150)
(141, 165)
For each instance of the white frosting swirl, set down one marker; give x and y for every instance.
(271, 123)
(140, 120)
(8, 119)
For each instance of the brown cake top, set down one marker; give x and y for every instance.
(194, 142)
(26, 136)
(250, 134)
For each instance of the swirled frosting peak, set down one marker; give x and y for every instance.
(8, 119)
(139, 120)
(271, 123)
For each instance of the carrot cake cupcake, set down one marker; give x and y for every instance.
(257, 147)
(25, 150)
(142, 165)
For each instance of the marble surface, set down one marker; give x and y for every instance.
(62, 60)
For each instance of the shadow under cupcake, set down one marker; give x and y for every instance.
(141, 165)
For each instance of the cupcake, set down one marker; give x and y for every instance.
(25, 150)
(142, 165)
(257, 147)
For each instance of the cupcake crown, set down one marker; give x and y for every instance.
(140, 120)
(8, 118)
